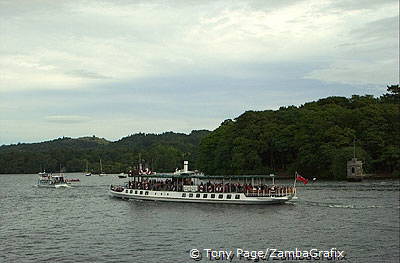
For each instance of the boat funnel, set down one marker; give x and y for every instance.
(185, 166)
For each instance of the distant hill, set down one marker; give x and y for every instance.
(64, 142)
(163, 152)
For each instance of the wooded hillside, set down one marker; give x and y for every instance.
(315, 139)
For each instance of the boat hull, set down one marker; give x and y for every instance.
(220, 198)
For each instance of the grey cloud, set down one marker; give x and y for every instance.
(67, 119)
(349, 5)
(18, 9)
(271, 5)
(385, 29)
(82, 73)
(168, 60)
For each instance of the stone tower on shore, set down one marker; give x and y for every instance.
(354, 167)
(354, 170)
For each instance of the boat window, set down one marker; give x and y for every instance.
(155, 193)
(228, 196)
(184, 195)
(167, 193)
(237, 196)
(212, 195)
(220, 196)
(131, 191)
(141, 192)
(126, 191)
(136, 192)
(190, 195)
(204, 195)
(146, 193)
(197, 195)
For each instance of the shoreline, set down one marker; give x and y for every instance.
(371, 177)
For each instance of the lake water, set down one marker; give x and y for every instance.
(84, 224)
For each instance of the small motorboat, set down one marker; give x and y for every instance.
(122, 175)
(52, 181)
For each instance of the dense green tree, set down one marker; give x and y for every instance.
(315, 138)
(161, 152)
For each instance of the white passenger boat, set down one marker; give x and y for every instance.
(204, 189)
(198, 188)
(52, 181)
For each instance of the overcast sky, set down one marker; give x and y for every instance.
(114, 68)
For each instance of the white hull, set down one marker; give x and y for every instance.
(222, 198)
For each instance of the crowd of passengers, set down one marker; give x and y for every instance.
(169, 185)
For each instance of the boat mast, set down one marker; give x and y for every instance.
(140, 162)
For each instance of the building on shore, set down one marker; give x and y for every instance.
(354, 170)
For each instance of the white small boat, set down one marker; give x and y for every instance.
(52, 181)
(122, 175)
(87, 173)
(43, 173)
(101, 170)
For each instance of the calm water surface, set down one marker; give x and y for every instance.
(84, 224)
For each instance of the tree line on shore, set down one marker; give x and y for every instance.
(315, 139)
(161, 152)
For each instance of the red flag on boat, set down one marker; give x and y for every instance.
(301, 178)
